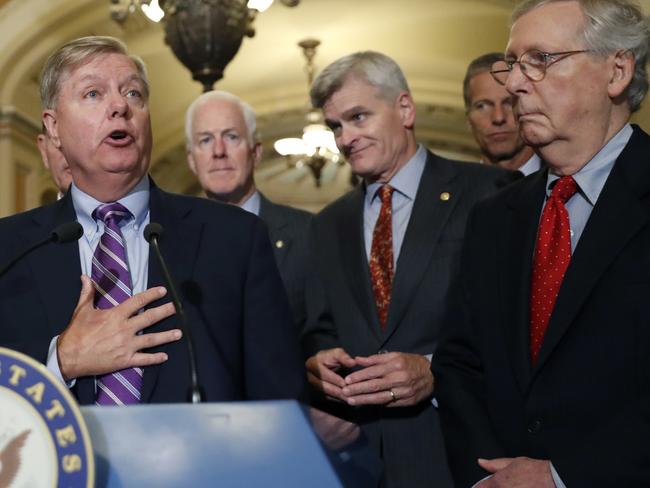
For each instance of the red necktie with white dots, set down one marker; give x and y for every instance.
(552, 256)
(381, 255)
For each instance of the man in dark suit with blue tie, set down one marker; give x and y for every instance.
(543, 377)
(223, 151)
(384, 255)
(95, 101)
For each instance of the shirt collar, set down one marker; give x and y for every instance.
(136, 201)
(406, 180)
(252, 205)
(592, 176)
(531, 166)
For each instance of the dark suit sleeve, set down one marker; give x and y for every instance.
(24, 332)
(459, 380)
(319, 332)
(273, 366)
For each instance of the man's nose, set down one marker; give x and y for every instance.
(345, 138)
(118, 106)
(218, 147)
(501, 113)
(517, 82)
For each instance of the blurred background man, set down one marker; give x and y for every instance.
(489, 112)
(223, 151)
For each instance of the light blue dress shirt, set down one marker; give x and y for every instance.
(591, 179)
(252, 205)
(405, 182)
(137, 248)
(531, 166)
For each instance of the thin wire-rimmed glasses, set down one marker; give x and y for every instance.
(533, 64)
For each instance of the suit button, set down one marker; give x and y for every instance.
(534, 427)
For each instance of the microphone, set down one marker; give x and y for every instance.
(152, 233)
(70, 231)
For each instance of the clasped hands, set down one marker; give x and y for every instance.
(102, 341)
(393, 379)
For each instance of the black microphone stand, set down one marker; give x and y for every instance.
(151, 233)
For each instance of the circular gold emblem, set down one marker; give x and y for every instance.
(43, 437)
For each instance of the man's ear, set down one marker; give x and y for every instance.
(257, 154)
(622, 72)
(406, 108)
(190, 161)
(50, 122)
(41, 143)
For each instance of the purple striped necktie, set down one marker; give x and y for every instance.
(112, 280)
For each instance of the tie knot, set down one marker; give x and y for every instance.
(565, 188)
(385, 193)
(111, 211)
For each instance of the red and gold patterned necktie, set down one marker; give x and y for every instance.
(381, 255)
(552, 256)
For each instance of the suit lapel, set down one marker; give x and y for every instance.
(426, 223)
(618, 215)
(516, 240)
(56, 267)
(275, 223)
(354, 259)
(59, 285)
(179, 246)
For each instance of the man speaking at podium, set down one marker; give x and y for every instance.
(92, 332)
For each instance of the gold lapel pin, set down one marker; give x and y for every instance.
(444, 196)
(279, 244)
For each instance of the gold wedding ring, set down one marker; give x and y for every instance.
(393, 398)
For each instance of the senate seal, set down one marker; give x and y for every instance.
(43, 438)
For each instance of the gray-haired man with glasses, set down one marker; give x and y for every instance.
(543, 377)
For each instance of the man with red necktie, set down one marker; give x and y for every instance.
(384, 256)
(543, 376)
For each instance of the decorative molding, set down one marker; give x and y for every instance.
(12, 120)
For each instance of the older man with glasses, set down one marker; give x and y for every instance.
(543, 377)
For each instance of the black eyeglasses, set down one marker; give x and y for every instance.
(533, 64)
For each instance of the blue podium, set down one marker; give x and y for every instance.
(242, 444)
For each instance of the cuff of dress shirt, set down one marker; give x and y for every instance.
(53, 364)
(434, 402)
(556, 478)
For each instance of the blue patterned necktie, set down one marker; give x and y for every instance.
(112, 281)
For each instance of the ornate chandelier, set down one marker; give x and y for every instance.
(316, 148)
(204, 35)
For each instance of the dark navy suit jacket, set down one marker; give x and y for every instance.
(289, 233)
(342, 312)
(585, 404)
(223, 265)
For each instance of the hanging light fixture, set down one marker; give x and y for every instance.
(204, 35)
(317, 147)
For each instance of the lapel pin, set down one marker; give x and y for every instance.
(279, 244)
(444, 196)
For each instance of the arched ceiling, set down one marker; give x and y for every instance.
(433, 41)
